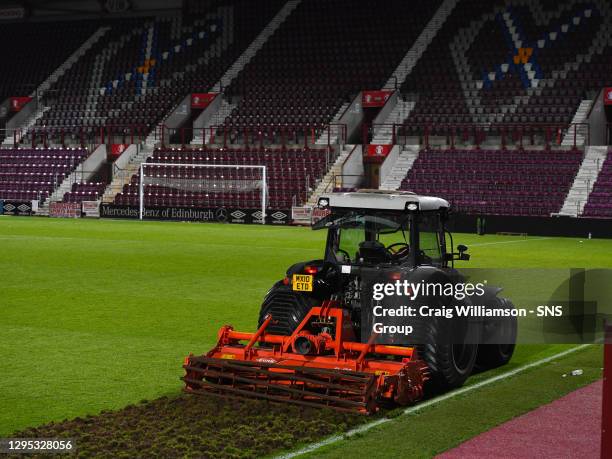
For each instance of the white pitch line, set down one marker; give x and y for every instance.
(139, 241)
(510, 242)
(434, 401)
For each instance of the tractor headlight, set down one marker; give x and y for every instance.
(412, 206)
(323, 202)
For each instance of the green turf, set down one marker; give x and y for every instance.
(98, 314)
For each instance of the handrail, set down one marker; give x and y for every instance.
(395, 84)
(348, 156)
(342, 179)
(120, 173)
(15, 133)
(553, 132)
(348, 107)
(137, 132)
(86, 136)
(593, 102)
(255, 133)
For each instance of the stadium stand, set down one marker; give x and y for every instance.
(27, 71)
(485, 85)
(302, 94)
(324, 54)
(496, 181)
(88, 191)
(142, 68)
(27, 174)
(491, 75)
(290, 174)
(23, 72)
(146, 66)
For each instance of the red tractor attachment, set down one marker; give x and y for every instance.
(319, 364)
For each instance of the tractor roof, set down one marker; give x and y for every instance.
(381, 200)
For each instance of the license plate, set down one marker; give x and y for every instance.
(302, 282)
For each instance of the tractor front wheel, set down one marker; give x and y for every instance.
(450, 361)
(499, 337)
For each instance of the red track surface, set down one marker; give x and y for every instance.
(566, 428)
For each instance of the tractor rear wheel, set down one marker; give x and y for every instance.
(288, 309)
(499, 334)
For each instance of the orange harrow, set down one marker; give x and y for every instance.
(320, 364)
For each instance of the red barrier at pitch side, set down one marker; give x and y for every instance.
(606, 403)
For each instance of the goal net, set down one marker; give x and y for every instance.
(229, 191)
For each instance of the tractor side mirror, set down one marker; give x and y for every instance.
(462, 255)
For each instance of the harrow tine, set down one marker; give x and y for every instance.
(237, 394)
(351, 392)
(278, 387)
(296, 377)
(358, 376)
(222, 390)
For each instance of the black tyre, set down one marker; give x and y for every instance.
(450, 361)
(499, 338)
(288, 309)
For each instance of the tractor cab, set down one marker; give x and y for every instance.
(374, 227)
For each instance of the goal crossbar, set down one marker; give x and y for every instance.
(264, 188)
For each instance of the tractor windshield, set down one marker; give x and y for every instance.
(354, 228)
(429, 237)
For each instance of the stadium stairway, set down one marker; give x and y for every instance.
(420, 45)
(326, 184)
(9, 142)
(255, 46)
(401, 111)
(33, 51)
(599, 203)
(74, 57)
(584, 181)
(579, 117)
(332, 138)
(405, 160)
(122, 177)
(403, 108)
(225, 109)
(326, 53)
(233, 71)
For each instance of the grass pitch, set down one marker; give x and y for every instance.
(99, 314)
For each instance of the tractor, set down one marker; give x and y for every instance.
(315, 343)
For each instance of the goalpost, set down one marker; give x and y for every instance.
(198, 183)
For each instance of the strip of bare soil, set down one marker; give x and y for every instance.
(196, 426)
